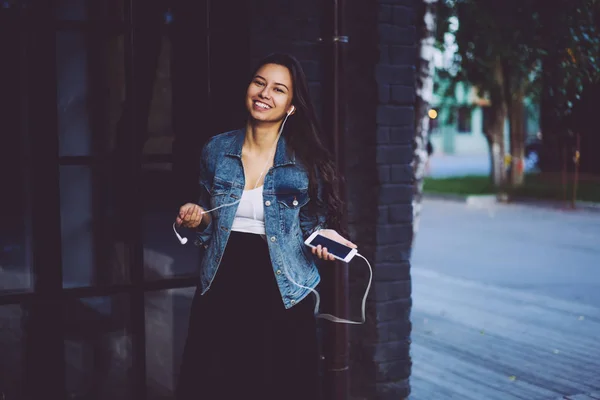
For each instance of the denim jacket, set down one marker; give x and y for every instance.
(287, 219)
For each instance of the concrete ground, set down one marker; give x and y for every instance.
(506, 303)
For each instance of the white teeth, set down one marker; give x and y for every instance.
(261, 105)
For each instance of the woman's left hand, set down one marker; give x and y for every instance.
(322, 252)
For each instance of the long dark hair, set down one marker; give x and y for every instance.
(303, 135)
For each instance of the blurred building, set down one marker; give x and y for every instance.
(460, 111)
(459, 124)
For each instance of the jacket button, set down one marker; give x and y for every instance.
(293, 302)
(267, 203)
(273, 238)
(278, 272)
(295, 203)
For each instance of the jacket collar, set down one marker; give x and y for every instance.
(282, 155)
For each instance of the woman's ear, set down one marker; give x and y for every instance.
(292, 110)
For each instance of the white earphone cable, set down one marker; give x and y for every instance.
(332, 318)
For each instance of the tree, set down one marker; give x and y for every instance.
(424, 89)
(570, 50)
(502, 49)
(567, 99)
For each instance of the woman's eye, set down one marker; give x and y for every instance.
(259, 83)
(279, 90)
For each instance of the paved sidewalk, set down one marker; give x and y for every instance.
(506, 303)
(481, 342)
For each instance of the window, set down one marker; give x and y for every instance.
(464, 119)
(433, 121)
(107, 316)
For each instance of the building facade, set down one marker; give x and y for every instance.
(109, 104)
(458, 123)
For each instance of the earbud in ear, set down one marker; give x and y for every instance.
(292, 110)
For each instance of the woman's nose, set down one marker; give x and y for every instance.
(265, 93)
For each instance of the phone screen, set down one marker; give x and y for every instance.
(333, 247)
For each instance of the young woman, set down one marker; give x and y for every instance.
(252, 330)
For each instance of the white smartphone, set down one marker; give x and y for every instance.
(338, 250)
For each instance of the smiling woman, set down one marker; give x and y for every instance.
(252, 325)
(267, 99)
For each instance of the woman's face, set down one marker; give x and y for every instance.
(269, 95)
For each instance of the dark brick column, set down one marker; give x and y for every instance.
(381, 93)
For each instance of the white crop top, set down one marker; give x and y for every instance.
(250, 215)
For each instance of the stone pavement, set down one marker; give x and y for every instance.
(478, 342)
(506, 303)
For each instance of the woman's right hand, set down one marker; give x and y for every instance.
(190, 215)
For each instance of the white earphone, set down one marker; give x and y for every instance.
(332, 318)
(182, 240)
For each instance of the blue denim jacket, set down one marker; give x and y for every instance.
(287, 219)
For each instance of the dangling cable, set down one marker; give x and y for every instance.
(183, 240)
(329, 317)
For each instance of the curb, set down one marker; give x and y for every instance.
(445, 196)
(491, 199)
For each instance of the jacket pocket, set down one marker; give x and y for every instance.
(293, 200)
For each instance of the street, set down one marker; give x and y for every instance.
(448, 165)
(506, 303)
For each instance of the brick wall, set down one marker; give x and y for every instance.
(380, 94)
(292, 27)
(379, 137)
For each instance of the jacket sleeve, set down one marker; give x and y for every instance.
(204, 235)
(314, 219)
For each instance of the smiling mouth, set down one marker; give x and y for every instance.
(262, 105)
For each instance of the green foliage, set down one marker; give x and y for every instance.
(445, 87)
(459, 185)
(572, 51)
(537, 186)
(521, 37)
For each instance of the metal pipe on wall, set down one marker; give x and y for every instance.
(43, 335)
(336, 340)
(133, 237)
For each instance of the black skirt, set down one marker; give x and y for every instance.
(242, 343)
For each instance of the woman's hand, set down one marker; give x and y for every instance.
(322, 253)
(190, 215)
